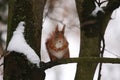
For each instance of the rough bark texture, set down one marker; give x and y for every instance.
(90, 40)
(16, 66)
(92, 32)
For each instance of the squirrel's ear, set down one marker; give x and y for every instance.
(56, 29)
(63, 29)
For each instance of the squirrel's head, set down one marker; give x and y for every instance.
(59, 37)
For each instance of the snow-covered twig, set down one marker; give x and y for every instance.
(96, 10)
(98, 7)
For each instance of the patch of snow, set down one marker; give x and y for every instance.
(97, 9)
(19, 44)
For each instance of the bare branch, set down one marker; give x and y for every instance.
(112, 5)
(88, 23)
(99, 2)
(5, 53)
(79, 60)
(101, 55)
(1, 64)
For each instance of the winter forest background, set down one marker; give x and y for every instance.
(64, 12)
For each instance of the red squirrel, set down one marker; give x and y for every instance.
(57, 45)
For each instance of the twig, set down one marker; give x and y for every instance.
(101, 55)
(5, 53)
(112, 53)
(60, 21)
(88, 23)
(99, 2)
(90, 60)
(1, 64)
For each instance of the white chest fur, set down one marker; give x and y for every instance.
(58, 54)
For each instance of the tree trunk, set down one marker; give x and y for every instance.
(90, 40)
(92, 32)
(16, 67)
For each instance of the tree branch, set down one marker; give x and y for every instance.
(112, 5)
(79, 60)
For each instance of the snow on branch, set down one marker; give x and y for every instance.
(99, 5)
(19, 44)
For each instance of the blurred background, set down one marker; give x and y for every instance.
(3, 30)
(64, 12)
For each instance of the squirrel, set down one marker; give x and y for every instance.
(57, 45)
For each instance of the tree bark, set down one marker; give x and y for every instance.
(16, 66)
(90, 40)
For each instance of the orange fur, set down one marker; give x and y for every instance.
(57, 45)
